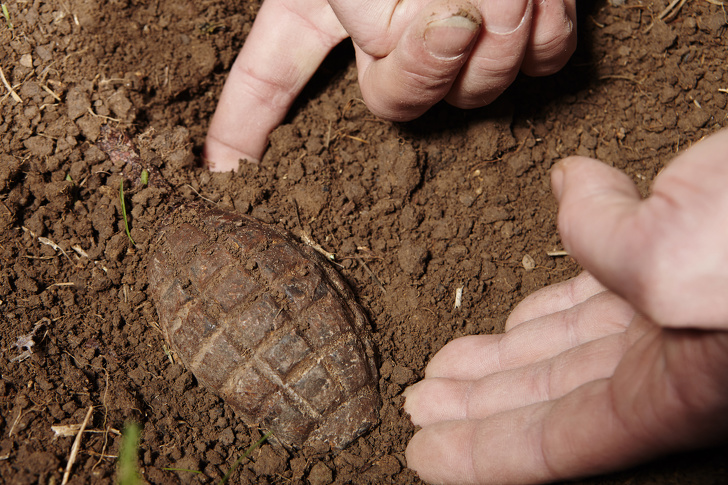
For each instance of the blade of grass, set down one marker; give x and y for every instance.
(123, 212)
(128, 471)
(243, 457)
(6, 14)
(170, 469)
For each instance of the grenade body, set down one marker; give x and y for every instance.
(266, 323)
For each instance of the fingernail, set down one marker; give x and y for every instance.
(449, 38)
(557, 180)
(505, 16)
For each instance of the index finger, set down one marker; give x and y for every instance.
(286, 45)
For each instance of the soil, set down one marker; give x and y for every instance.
(414, 213)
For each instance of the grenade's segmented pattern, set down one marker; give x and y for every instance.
(267, 323)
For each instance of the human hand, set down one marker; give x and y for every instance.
(591, 378)
(410, 55)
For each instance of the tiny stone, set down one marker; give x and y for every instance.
(528, 262)
(26, 60)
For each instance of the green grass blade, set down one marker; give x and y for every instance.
(171, 469)
(128, 471)
(6, 14)
(123, 212)
(243, 457)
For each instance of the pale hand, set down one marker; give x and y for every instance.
(600, 372)
(410, 55)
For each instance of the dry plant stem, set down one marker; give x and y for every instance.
(556, 254)
(76, 446)
(106, 415)
(14, 95)
(371, 273)
(669, 13)
(15, 423)
(671, 10)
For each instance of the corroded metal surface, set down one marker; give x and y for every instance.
(265, 322)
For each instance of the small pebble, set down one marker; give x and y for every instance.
(528, 262)
(26, 60)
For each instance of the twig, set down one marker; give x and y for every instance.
(671, 11)
(458, 297)
(66, 430)
(56, 247)
(109, 118)
(556, 254)
(306, 237)
(76, 446)
(61, 284)
(371, 273)
(50, 91)
(14, 95)
(106, 415)
(361, 140)
(631, 79)
(200, 195)
(15, 423)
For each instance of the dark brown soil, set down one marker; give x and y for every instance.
(412, 212)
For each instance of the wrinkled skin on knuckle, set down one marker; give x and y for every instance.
(550, 53)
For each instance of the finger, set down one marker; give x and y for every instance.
(511, 447)
(553, 37)
(420, 69)
(599, 220)
(554, 298)
(651, 251)
(442, 399)
(287, 43)
(496, 58)
(377, 28)
(688, 209)
(645, 409)
(474, 357)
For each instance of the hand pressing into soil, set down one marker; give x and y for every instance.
(410, 55)
(614, 367)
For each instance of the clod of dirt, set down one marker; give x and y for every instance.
(413, 258)
(320, 474)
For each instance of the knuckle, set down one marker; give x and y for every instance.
(549, 52)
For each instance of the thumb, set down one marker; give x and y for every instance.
(423, 65)
(600, 211)
(666, 254)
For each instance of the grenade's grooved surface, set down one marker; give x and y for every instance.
(266, 323)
